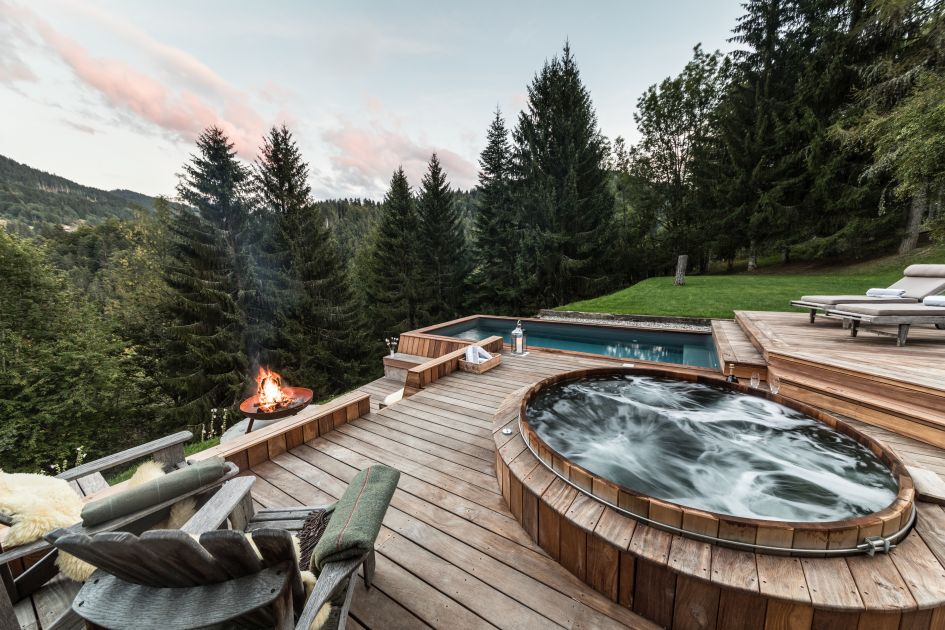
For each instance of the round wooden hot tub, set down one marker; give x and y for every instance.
(686, 567)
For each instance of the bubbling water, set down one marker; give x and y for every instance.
(711, 448)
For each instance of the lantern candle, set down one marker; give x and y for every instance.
(517, 340)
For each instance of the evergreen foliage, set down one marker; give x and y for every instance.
(561, 186)
(496, 253)
(67, 380)
(317, 334)
(391, 275)
(349, 221)
(210, 271)
(442, 244)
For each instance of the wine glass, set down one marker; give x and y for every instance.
(755, 380)
(774, 384)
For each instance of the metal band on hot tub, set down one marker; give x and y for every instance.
(870, 545)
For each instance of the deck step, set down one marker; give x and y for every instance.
(865, 378)
(736, 352)
(929, 486)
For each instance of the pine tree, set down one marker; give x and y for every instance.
(567, 205)
(210, 274)
(763, 83)
(391, 276)
(443, 252)
(318, 337)
(496, 252)
(898, 116)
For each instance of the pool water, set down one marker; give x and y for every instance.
(710, 448)
(624, 343)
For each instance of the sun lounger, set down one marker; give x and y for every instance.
(918, 281)
(901, 315)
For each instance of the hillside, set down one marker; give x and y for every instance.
(720, 295)
(31, 199)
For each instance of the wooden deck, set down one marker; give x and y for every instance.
(450, 554)
(737, 355)
(867, 377)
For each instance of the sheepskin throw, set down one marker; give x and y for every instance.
(38, 504)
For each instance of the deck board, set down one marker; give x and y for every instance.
(450, 536)
(919, 362)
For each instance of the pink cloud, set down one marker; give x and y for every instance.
(366, 157)
(179, 64)
(180, 112)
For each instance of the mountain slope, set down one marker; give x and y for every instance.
(31, 199)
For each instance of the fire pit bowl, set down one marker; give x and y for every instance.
(300, 398)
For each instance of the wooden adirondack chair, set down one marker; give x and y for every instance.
(87, 479)
(202, 576)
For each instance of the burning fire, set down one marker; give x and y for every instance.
(269, 393)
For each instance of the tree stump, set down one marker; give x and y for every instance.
(681, 263)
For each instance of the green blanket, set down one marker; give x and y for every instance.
(357, 517)
(153, 492)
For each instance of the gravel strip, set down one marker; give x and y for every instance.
(628, 323)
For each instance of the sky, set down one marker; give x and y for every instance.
(112, 93)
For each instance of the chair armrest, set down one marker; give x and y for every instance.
(130, 455)
(219, 507)
(331, 578)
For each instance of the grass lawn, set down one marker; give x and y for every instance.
(719, 296)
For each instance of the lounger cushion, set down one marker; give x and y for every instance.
(153, 492)
(829, 300)
(356, 519)
(893, 310)
(925, 271)
(920, 286)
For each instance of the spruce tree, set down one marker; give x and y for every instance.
(210, 274)
(443, 252)
(567, 204)
(496, 251)
(317, 335)
(391, 276)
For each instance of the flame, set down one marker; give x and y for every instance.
(269, 393)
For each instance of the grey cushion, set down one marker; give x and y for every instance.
(925, 271)
(828, 300)
(153, 492)
(893, 310)
(919, 287)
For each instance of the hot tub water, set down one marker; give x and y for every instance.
(710, 448)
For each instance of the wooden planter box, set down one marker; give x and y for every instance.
(479, 368)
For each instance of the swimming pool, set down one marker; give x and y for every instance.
(623, 343)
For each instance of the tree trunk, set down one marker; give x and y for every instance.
(681, 263)
(752, 257)
(917, 210)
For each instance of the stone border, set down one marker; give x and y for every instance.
(694, 324)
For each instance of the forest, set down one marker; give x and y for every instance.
(820, 137)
